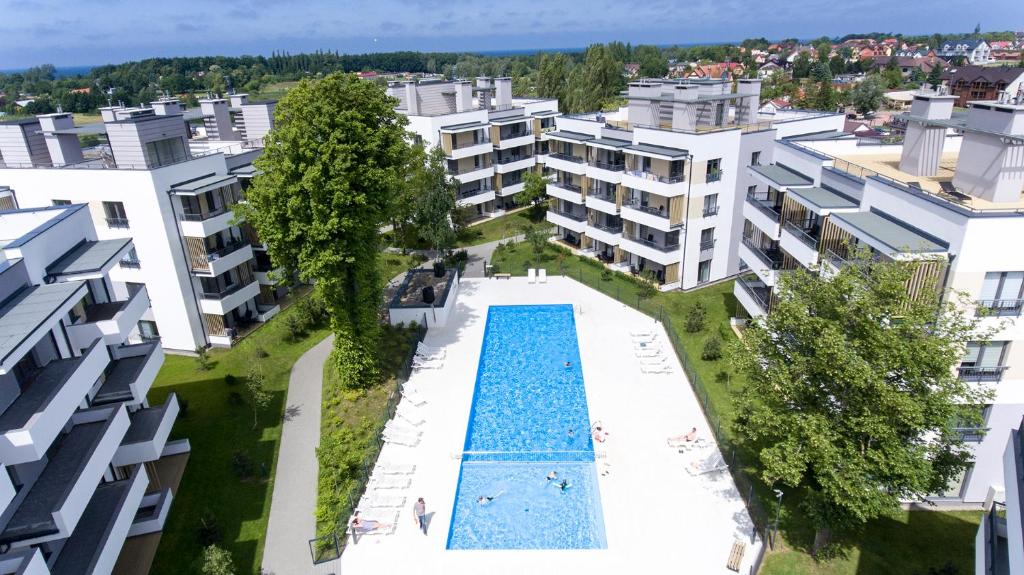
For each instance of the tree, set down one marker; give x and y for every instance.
(851, 391)
(822, 95)
(256, 385)
(695, 317)
(330, 166)
(802, 65)
(435, 201)
(647, 286)
(217, 561)
(935, 75)
(537, 237)
(535, 189)
(552, 73)
(652, 63)
(866, 96)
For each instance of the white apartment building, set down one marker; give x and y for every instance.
(87, 468)
(657, 186)
(999, 544)
(951, 192)
(172, 195)
(490, 139)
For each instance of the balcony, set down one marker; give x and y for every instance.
(106, 523)
(803, 246)
(150, 427)
(576, 222)
(753, 295)
(221, 260)
(131, 373)
(710, 211)
(668, 186)
(111, 322)
(152, 513)
(635, 211)
(470, 148)
(606, 171)
(474, 197)
(58, 497)
(514, 140)
(511, 189)
(765, 262)
(707, 249)
(1000, 307)
(221, 303)
(37, 416)
(603, 233)
(566, 163)
(474, 173)
(602, 202)
(565, 191)
(992, 544)
(659, 253)
(508, 165)
(979, 373)
(763, 214)
(206, 224)
(117, 223)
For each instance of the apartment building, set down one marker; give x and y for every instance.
(172, 195)
(88, 474)
(656, 187)
(489, 138)
(999, 544)
(950, 194)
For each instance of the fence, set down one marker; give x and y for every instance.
(330, 546)
(763, 529)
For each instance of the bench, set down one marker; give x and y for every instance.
(736, 555)
(502, 276)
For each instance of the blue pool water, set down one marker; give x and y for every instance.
(525, 403)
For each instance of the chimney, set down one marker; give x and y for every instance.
(642, 111)
(746, 107)
(166, 107)
(990, 164)
(684, 107)
(463, 96)
(64, 148)
(108, 113)
(412, 98)
(22, 145)
(258, 119)
(503, 92)
(217, 120)
(238, 100)
(484, 91)
(922, 145)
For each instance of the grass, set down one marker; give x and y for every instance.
(499, 228)
(393, 264)
(910, 543)
(274, 91)
(218, 426)
(82, 119)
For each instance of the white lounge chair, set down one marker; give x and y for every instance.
(396, 427)
(394, 468)
(662, 369)
(389, 482)
(645, 338)
(427, 364)
(647, 351)
(403, 440)
(426, 351)
(643, 332)
(655, 360)
(377, 500)
(542, 275)
(411, 418)
(414, 398)
(531, 275)
(708, 465)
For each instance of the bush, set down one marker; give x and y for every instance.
(242, 465)
(217, 561)
(230, 380)
(294, 326)
(203, 359)
(695, 317)
(419, 258)
(648, 285)
(209, 530)
(606, 275)
(712, 349)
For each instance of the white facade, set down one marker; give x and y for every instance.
(172, 196)
(490, 139)
(952, 192)
(661, 183)
(75, 426)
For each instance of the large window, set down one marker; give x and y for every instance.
(164, 152)
(714, 170)
(707, 238)
(703, 271)
(1002, 293)
(116, 216)
(710, 205)
(755, 159)
(984, 361)
(62, 202)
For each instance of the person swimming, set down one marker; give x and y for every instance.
(568, 364)
(552, 475)
(485, 499)
(564, 485)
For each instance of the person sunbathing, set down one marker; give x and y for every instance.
(684, 438)
(598, 433)
(367, 525)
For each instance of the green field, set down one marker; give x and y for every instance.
(274, 91)
(499, 228)
(909, 544)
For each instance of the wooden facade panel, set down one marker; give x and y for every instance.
(197, 253)
(672, 273)
(833, 238)
(675, 210)
(793, 211)
(7, 203)
(928, 275)
(620, 193)
(214, 324)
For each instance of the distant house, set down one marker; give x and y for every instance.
(715, 71)
(899, 99)
(860, 129)
(631, 70)
(974, 50)
(908, 64)
(24, 102)
(981, 83)
(776, 105)
(367, 75)
(79, 90)
(768, 69)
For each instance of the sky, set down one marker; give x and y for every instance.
(92, 32)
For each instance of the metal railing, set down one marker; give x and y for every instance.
(660, 247)
(635, 204)
(656, 177)
(770, 257)
(605, 196)
(459, 171)
(572, 216)
(202, 216)
(979, 373)
(130, 264)
(567, 186)
(1001, 307)
(710, 211)
(509, 159)
(566, 157)
(610, 166)
(755, 292)
(606, 228)
(486, 140)
(707, 245)
(713, 176)
(762, 202)
(802, 235)
(227, 249)
(117, 222)
(218, 295)
(472, 193)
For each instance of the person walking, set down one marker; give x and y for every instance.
(419, 511)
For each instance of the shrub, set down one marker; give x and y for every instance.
(203, 359)
(712, 349)
(537, 237)
(294, 326)
(230, 380)
(695, 317)
(209, 530)
(606, 275)
(217, 561)
(648, 286)
(242, 465)
(419, 258)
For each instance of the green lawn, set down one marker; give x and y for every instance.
(274, 91)
(219, 425)
(909, 544)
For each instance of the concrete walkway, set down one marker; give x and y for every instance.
(478, 254)
(292, 522)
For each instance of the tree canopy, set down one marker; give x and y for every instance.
(435, 201)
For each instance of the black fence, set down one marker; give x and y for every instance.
(330, 546)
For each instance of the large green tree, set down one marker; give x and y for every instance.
(867, 95)
(329, 168)
(435, 202)
(535, 190)
(852, 393)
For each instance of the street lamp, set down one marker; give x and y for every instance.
(778, 512)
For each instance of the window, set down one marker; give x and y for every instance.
(710, 205)
(116, 216)
(164, 152)
(133, 287)
(703, 271)
(751, 191)
(148, 330)
(62, 202)
(707, 238)
(1002, 293)
(714, 170)
(755, 159)
(984, 362)
(130, 260)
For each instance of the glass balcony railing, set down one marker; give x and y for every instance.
(771, 257)
(567, 186)
(611, 166)
(566, 157)
(766, 205)
(636, 204)
(803, 235)
(660, 247)
(577, 216)
(674, 179)
(757, 290)
(611, 229)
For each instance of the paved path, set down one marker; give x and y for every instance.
(478, 254)
(292, 521)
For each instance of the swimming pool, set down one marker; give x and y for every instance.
(529, 417)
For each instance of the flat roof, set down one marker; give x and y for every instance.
(512, 120)
(782, 176)
(40, 391)
(547, 113)
(609, 143)
(246, 171)
(652, 150)
(822, 198)
(145, 423)
(463, 127)
(88, 257)
(30, 308)
(890, 235)
(204, 183)
(570, 136)
(25, 224)
(82, 550)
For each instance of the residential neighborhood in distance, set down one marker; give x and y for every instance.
(349, 309)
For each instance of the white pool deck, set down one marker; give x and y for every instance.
(658, 518)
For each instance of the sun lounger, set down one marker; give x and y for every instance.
(414, 398)
(643, 332)
(655, 360)
(410, 418)
(425, 361)
(425, 350)
(403, 440)
(378, 500)
(427, 364)
(390, 482)
(531, 275)
(645, 338)
(647, 351)
(542, 275)
(736, 556)
(421, 356)
(663, 369)
(394, 468)
(396, 427)
(708, 465)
